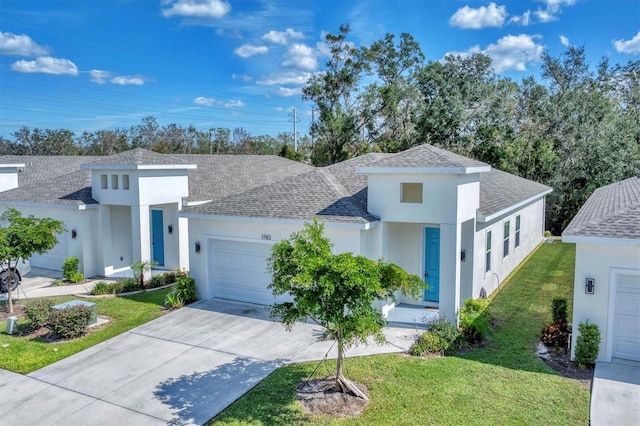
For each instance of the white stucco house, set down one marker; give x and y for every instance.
(455, 221)
(606, 232)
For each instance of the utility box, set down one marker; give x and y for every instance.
(12, 325)
(92, 306)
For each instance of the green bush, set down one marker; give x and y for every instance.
(184, 292)
(102, 287)
(441, 336)
(156, 281)
(70, 267)
(475, 319)
(559, 309)
(70, 322)
(174, 301)
(129, 285)
(547, 234)
(76, 277)
(587, 344)
(57, 283)
(37, 312)
(171, 276)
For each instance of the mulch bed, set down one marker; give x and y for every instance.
(560, 362)
(320, 397)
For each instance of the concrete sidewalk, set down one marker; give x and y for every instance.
(615, 394)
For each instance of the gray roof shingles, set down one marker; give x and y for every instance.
(612, 211)
(262, 186)
(138, 157)
(428, 156)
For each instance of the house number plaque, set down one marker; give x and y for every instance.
(266, 236)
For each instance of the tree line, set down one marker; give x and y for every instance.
(575, 130)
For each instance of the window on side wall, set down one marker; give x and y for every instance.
(505, 249)
(125, 181)
(103, 181)
(487, 261)
(518, 231)
(114, 181)
(411, 192)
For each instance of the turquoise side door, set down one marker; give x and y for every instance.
(157, 237)
(432, 264)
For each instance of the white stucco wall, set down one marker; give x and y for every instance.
(531, 234)
(344, 239)
(597, 261)
(143, 187)
(8, 177)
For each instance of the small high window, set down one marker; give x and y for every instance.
(518, 231)
(505, 248)
(114, 181)
(487, 261)
(125, 181)
(103, 181)
(411, 192)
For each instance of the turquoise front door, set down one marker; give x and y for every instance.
(432, 264)
(157, 237)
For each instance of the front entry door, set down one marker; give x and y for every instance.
(432, 264)
(157, 237)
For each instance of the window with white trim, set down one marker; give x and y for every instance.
(505, 243)
(487, 261)
(517, 233)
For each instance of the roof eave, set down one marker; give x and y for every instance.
(461, 170)
(603, 240)
(296, 222)
(481, 218)
(138, 166)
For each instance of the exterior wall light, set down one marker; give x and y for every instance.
(170, 228)
(590, 286)
(463, 256)
(197, 247)
(74, 234)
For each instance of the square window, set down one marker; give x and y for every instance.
(114, 181)
(411, 192)
(103, 181)
(125, 181)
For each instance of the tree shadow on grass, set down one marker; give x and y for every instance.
(197, 397)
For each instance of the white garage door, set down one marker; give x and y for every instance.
(54, 258)
(238, 271)
(626, 322)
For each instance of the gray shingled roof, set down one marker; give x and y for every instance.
(38, 168)
(137, 157)
(428, 156)
(71, 189)
(501, 190)
(612, 211)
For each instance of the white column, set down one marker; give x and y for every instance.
(183, 243)
(104, 239)
(141, 233)
(450, 244)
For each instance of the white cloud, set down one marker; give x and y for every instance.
(482, 17)
(628, 46)
(248, 50)
(127, 80)
(234, 104)
(286, 92)
(46, 65)
(20, 45)
(509, 53)
(201, 100)
(564, 40)
(301, 56)
(524, 19)
(242, 77)
(282, 37)
(196, 8)
(99, 76)
(293, 78)
(553, 9)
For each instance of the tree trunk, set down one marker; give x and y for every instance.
(9, 290)
(342, 383)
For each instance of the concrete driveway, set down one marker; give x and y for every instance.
(182, 368)
(615, 394)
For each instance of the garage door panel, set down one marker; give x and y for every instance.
(626, 318)
(238, 271)
(54, 258)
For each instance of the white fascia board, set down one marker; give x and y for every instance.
(482, 219)
(186, 203)
(11, 203)
(296, 222)
(423, 170)
(581, 239)
(12, 166)
(138, 166)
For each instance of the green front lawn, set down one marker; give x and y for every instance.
(24, 354)
(502, 383)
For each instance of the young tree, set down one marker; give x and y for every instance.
(335, 291)
(22, 238)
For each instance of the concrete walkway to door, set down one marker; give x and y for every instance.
(182, 368)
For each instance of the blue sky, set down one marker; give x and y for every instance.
(102, 64)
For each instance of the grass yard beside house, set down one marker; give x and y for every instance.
(26, 354)
(502, 383)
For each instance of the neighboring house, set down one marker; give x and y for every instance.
(453, 220)
(606, 232)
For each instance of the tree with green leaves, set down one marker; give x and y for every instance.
(337, 292)
(22, 238)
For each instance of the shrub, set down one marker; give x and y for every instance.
(475, 319)
(70, 322)
(174, 301)
(76, 277)
(156, 281)
(102, 287)
(556, 335)
(587, 344)
(57, 283)
(70, 267)
(441, 336)
(183, 293)
(547, 234)
(169, 277)
(559, 309)
(128, 285)
(37, 311)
